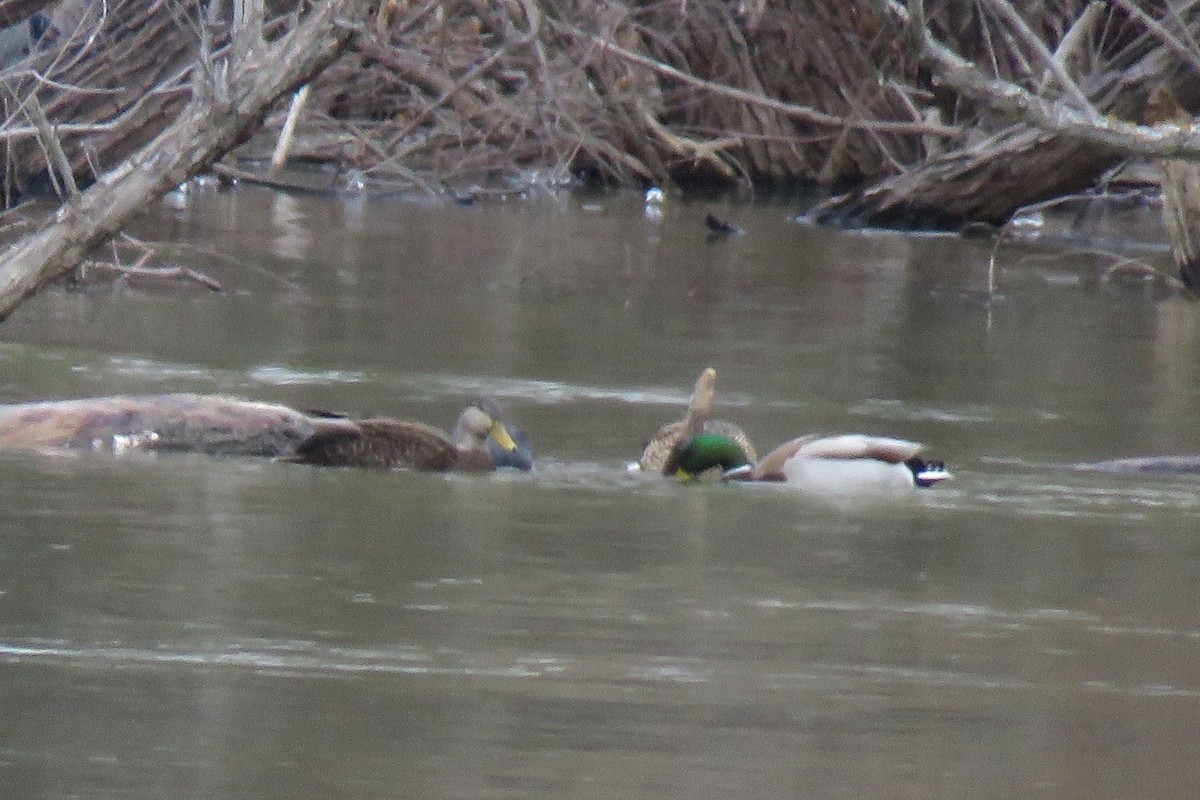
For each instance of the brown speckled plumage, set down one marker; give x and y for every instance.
(658, 450)
(389, 443)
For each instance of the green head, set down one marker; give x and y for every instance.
(705, 452)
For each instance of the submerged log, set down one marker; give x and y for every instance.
(984, 183)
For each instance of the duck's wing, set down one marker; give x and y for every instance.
(771, 466)
(380, 444)
(188, 422)
(658, 450)
(857, 445)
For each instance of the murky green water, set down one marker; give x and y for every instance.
(186, 627)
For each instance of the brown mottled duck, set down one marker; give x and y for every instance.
(698, 419)
(387, 443)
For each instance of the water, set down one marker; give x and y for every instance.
(183, 626)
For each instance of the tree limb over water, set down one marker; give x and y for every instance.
(229, 97)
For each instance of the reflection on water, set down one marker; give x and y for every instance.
(226, 628)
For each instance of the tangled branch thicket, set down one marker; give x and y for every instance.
(454, 94)
(646, 92)
(828, 93)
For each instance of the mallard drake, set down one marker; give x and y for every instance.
(709, 456)
(658, 450)
(387, 443)
(219, 425)
(844, 464)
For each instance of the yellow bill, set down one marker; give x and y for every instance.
(500, 434)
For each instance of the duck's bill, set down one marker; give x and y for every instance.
(500, 434)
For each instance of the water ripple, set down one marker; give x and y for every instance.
(307, 660)
(281, 375)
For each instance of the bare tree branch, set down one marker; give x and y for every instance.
(1030, 40)
(203, 130)
(805, 113)
(1164, 141)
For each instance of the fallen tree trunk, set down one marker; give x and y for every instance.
(986, 182)
(228, 99)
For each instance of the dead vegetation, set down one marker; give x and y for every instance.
(699, 91)
(918, 114)
(454, 93)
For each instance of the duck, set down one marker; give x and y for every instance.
(841, 464)
(709, 456)
(231, 426)
(384, 443)
(657, 452)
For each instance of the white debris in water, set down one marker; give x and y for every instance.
(654, 198)
(354, 182)
(131, 441)
(1027, 226)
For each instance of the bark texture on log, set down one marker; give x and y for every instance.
(105, 106)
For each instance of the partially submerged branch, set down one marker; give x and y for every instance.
(144, 271)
